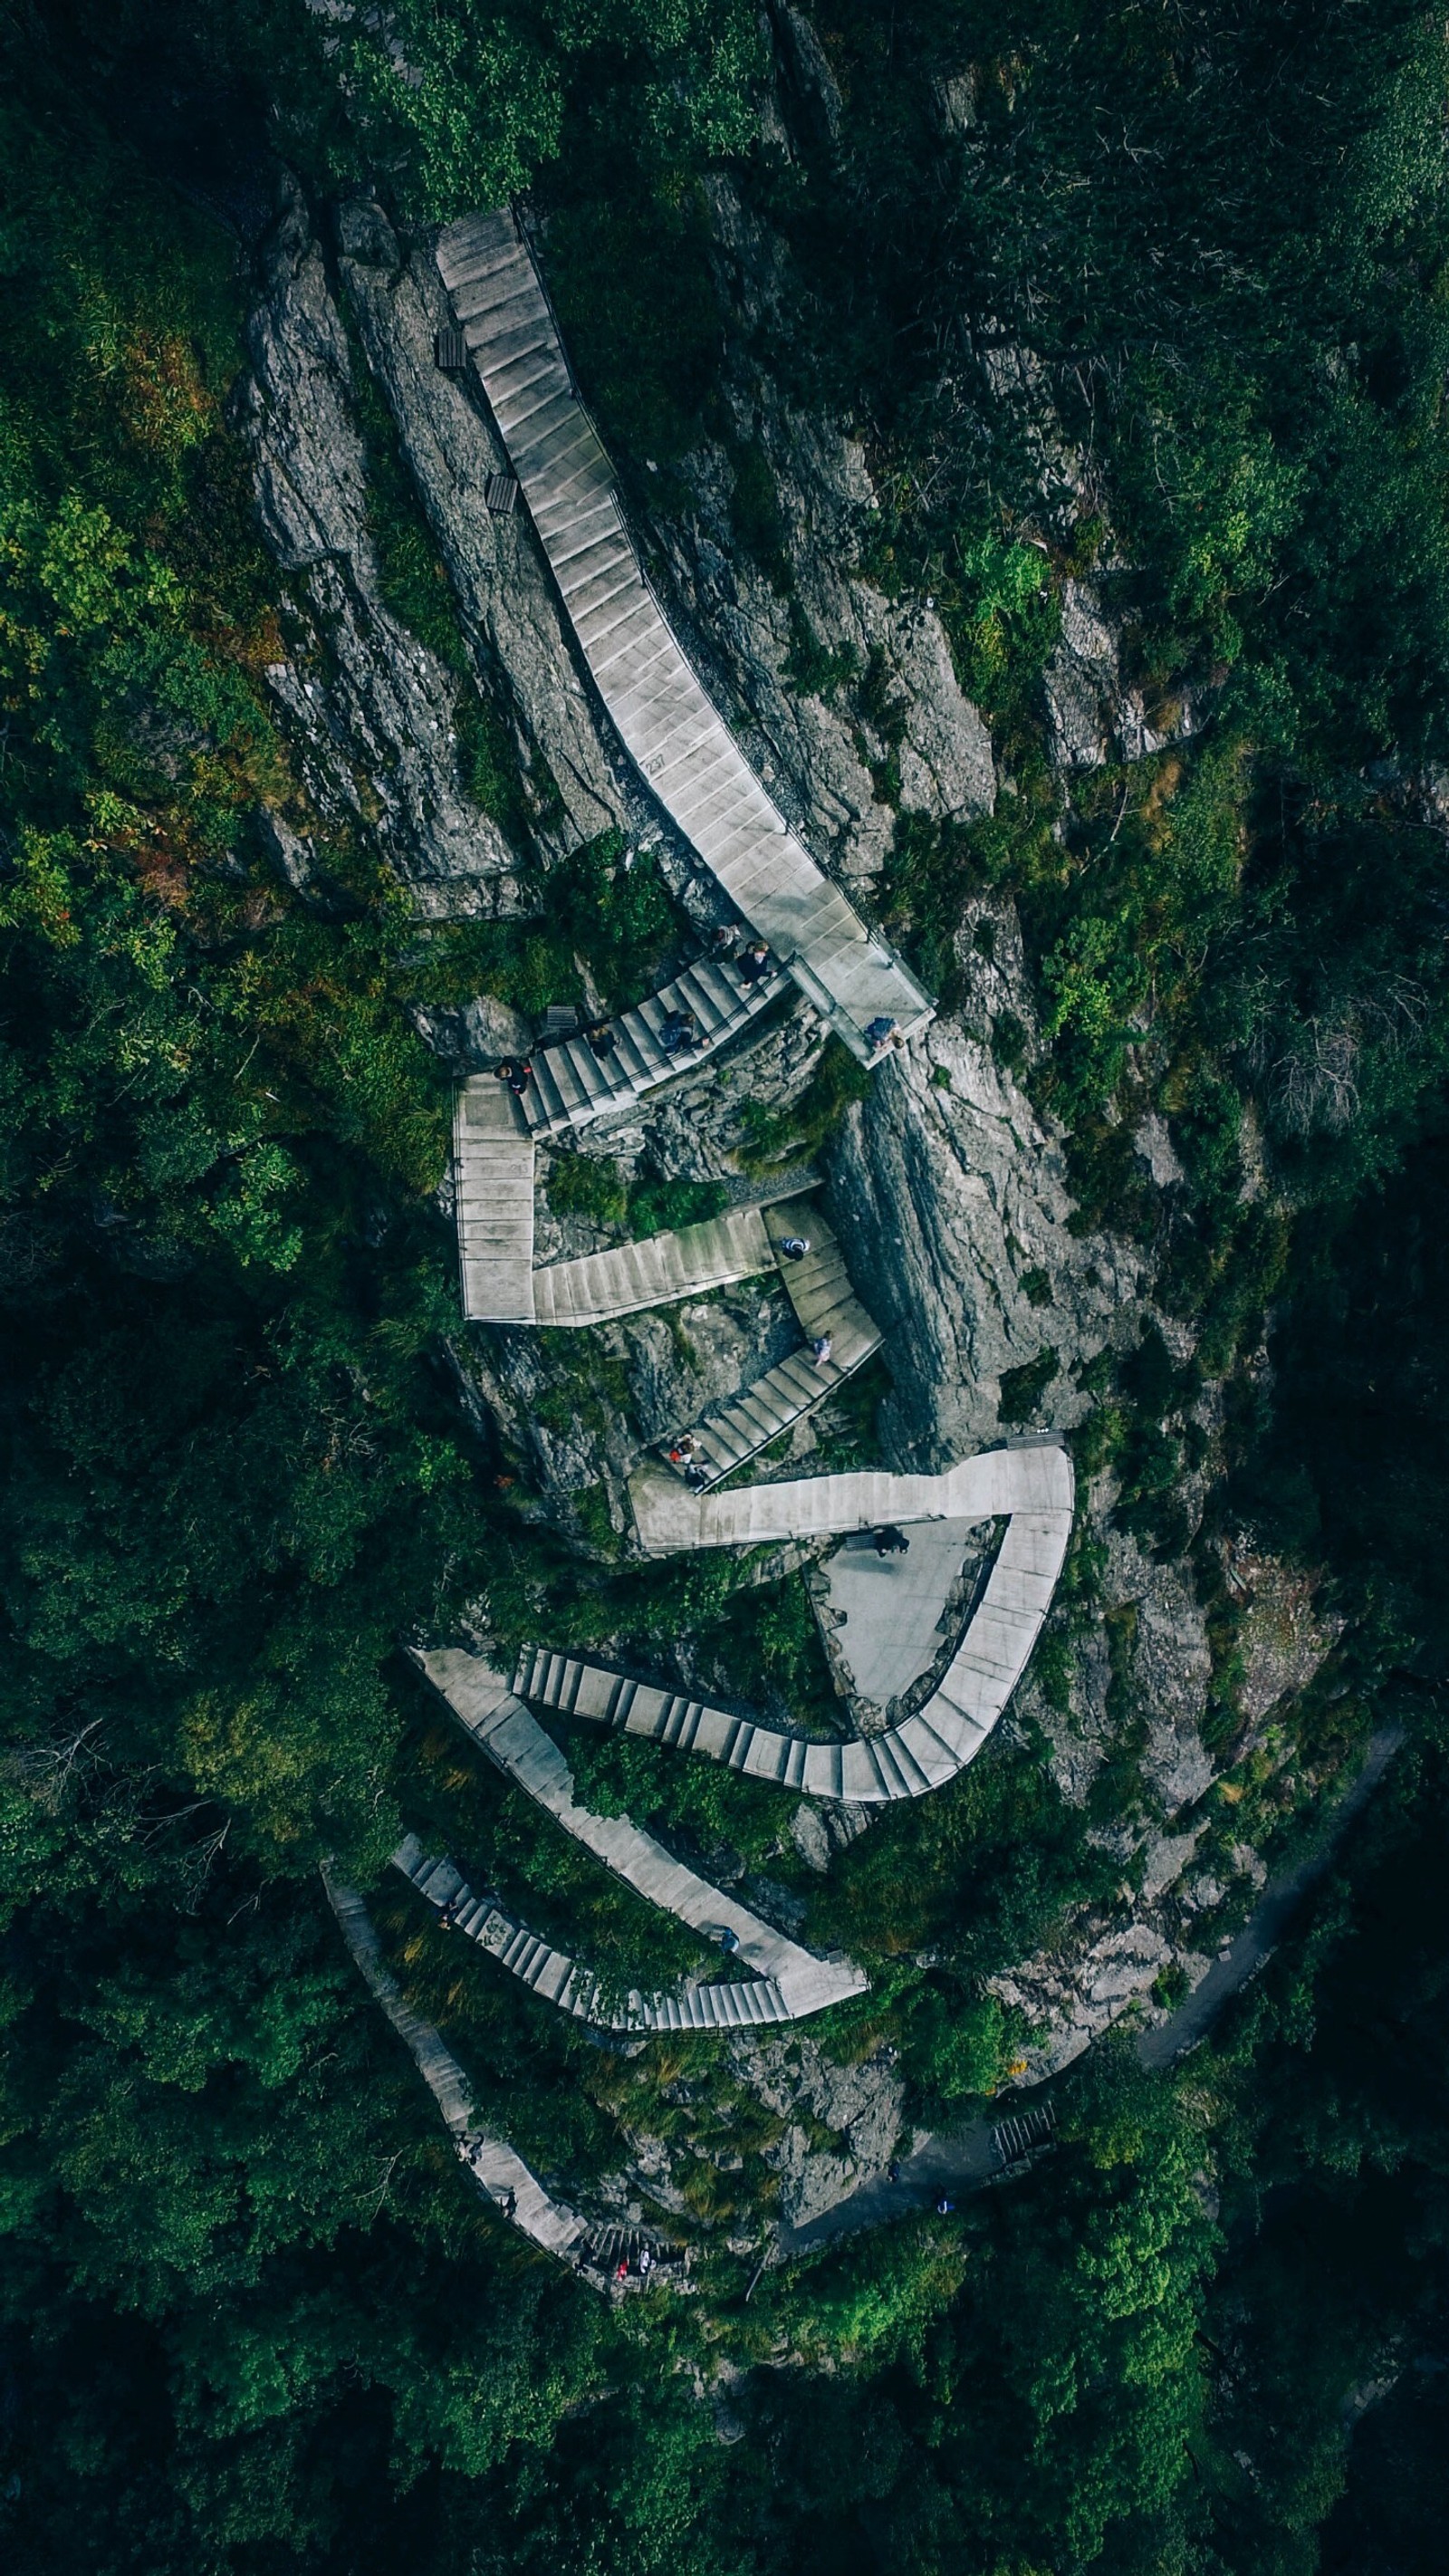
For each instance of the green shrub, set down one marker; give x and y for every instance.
(588, 1185)
(1022, 1388)
(955, 2047)
(773, 1134)
(662, 1207)
(617, 917)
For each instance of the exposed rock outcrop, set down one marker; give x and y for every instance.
(369, 709)
(578, 786)
(1093, 714)
(956, 1206)
(860, 2104)
(950, 1190)
(846, 701)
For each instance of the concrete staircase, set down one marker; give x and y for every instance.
(480, 1917)
(793, 1981)
(509, 2183)
(610, 2247)
(909, 1760)
(493, 1172)
(1022, 2138)
(661, 713)
(572, 1086)
(493, 1166)
(1027, 1477)
(654, 1272)
(558, 1979)
(820, 1291)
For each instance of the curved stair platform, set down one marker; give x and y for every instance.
(572, 1085)
(511, 1737)
(921, 1754)
(661, 713)
(1032, 1478)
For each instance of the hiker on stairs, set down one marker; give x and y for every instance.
(821, 1348)
(599, 1038)
(754, 965)
(517, 1072)
(794, 1246)
(680, 1033)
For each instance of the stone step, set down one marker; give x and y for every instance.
(820, 1290)
(507, 1732)
(493, 1175)
(656, 1272)
(572, 1087)
(556, 1978)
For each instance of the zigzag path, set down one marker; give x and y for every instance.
(858, 987)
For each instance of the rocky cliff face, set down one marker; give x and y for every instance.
(369, 709)
(889, 730)
(1093, 715)
(956, 1203)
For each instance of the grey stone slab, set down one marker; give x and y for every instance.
(892, 1606)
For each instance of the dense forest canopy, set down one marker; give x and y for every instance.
(252, 2319)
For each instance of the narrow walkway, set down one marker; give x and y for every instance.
(504, 2176)
(493, 1178)
(493, 1174)
(1270, 1917)
(575, 1083)
(732, 2005)
(494, 1133)
(909, 1760)
(663, 717)
(1034, 1478)
(656, 1271)
(825, 1304)
(512, 1738)
(962, 2160)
